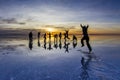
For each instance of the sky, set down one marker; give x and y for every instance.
(103, 15)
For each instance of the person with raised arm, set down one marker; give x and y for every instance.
(85, 37)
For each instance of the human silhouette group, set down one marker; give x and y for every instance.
(58, 39)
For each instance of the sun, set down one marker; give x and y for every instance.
(50, 29)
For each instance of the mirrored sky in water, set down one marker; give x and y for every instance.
(59, 46)
(17, 60)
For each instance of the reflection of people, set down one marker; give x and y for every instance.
(60, 35)
(74, 38)
(49, 47)
(66, 46)
(74, 44)
(85, 37)
(60, 44)
(66, 34)
(85, 63)
(30, 44)
(44, 44)
(38, 43)
(74, 41)
(55, 45)
(44, 37)
(30, 40)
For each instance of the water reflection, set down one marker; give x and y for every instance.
(66, 46)
(57, 42)
(85, 63)
(60, 36)
(38, 43)
(39, 39)
(44, 36)
(84, 75)
(30, 40)
(74, 41)
(50, 46)
(60, 44)
(30, 44)
(66, 35)
(45, 44)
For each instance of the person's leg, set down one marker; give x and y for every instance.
(82, 41)
(88, 44)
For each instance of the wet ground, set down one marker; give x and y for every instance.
(22, 60)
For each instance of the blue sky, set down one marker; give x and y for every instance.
(19, 13)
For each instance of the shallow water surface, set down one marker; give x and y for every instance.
(60, 60)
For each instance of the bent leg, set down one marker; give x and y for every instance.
(88, 45)
(82, 42)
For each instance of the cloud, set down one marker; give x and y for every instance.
(53, 12)
(10, 21)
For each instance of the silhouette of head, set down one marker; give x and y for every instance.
(84, 29)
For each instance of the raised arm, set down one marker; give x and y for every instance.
(81, 25)
(87, 26)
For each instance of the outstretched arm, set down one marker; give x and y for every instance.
(81, 25)
(87, 26)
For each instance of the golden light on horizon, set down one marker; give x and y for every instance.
(50, 29)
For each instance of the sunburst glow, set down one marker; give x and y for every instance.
(50, 29)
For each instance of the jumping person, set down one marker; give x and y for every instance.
(85, 37)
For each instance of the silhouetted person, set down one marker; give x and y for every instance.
(60, 35)
(60, 44)
(49, 47)
(56, 41)
(66, 34)
(44, 36)
(38, 35)
(30, 40)
(30, 36)
(85, 37)
(39, 39)
(49, 35)
(55, 38)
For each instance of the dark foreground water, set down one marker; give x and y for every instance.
(60, 61)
